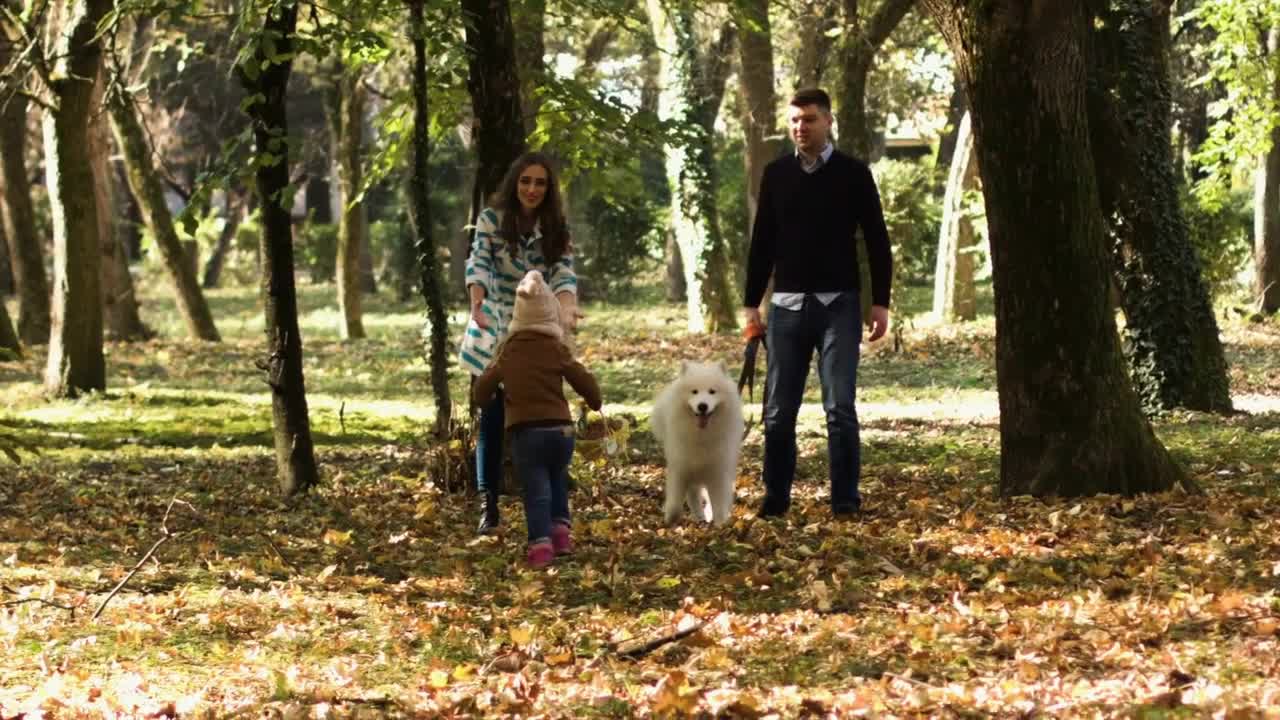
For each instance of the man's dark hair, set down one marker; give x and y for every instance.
(811, 96)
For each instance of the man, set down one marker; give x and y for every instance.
(809, 208)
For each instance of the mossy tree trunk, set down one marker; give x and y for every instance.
(692, 80)
(1171, 336)
(1070, 421)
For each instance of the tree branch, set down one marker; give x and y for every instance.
(885, 19)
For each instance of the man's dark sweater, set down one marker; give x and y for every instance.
(804, 230)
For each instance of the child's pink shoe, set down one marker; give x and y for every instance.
(540, 555)
(561, 540)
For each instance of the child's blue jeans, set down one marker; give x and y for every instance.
(541, 456)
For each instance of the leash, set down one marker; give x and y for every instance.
(755, 337)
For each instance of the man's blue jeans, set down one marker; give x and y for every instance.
(835, 331)
(541, 456)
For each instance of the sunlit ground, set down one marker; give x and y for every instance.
(372, 596)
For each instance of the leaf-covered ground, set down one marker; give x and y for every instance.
(373, 597)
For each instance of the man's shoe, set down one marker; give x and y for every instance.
(847, 512)
(770, 510)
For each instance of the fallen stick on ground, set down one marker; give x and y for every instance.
(639, 648)
(165, 536)
(68, 608)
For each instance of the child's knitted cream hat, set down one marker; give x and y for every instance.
(536, 308)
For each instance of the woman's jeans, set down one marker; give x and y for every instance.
(835, 331)
(541, 456)
(489, 446)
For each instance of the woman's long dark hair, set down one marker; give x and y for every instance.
(550, 214)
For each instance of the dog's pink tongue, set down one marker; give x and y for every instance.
(703, 420)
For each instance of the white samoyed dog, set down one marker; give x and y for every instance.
(698, 420)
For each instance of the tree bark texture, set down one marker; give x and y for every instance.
(76, 363)
(859, 45)
(494, 83)
(428, 261)
(26, 257)
(147, 187)
(954, 297)
(1070, 421)
(346, 131)
(1266, 235)
(759, 102)
(692, 87)
(1171, 336)
(295, 455)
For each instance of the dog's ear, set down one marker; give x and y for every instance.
(684, 366)
(724, 368)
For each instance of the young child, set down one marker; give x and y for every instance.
(531, 365)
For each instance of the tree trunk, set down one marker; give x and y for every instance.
(432, 293)
(693, 83)
(677, 289)
(346, 132)
(145, 182)
(816, 20)
(9, 344)
(7, 285)
(954, 297)
(759, 103)
(119, 299)
(1070, 421)
(76, 363)
(494, 84)
(528, 20)
(1266, 213)
(25, 255)
(1171, 335)
(265, 74)
(858, 48)
(956, 110)
(235, 212)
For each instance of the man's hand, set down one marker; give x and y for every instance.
(477, 314)
(879, 322)
(751, 317)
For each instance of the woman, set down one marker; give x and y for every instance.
(523, 229)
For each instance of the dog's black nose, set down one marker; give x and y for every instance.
(702, 408)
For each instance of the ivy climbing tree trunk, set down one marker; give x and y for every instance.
(76, 363)
(1171, 335)
(692, 86)
(859, 44)
(954, 297)
(1266, 213)
(432, 293)
(498, 130)
(264, 72)
(346, 133)
(147, 187)
(25, 255)
(1070, 421)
